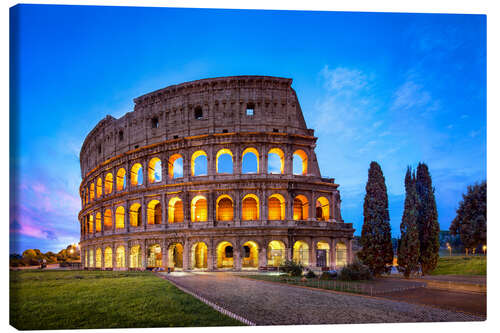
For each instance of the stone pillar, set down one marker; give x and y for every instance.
(237, 208)
(145, 171)
(144, 254)
(263, 204)
(211, 263)
(263, 160)
(186, 206)
(288, 160)
(237, 255)
(237, 162)
(263, 255)
(101, 210)
(288, 207)
(312, 254)
(211, 207)
(164, 211)
(164, 253)
(164, 168)
(211, 162)
(127, 216)
(113, 218)
(185, 256)
(113, 257)
(312, 207)
(333, 254)
(144, 213)
(349, 251)
(127, 256)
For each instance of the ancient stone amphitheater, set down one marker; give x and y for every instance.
(212, 174)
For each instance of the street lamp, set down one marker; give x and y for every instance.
(448, 247)
(484, 249)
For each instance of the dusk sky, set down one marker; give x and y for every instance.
(391, 88)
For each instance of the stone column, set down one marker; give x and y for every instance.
(113, 257)
(185, 255)
(312, 254)
(186, 165)
(164, 253)
(263, 204)
(237, 255)
(333, 254)
(113, 218)
(211, 162)
(211, 263)
(211, 207)
(164, 211)
(263, 255)
(237, 161)
(127, 216)
(288, 160)
(237, 208)
(145, 173)
(144, 213)
(144, 254)
(101, 210)
(289, 207)
(186, 205)
(263, 160)
(312, 207)
(349, 251)
(127, 255)
(164, 168)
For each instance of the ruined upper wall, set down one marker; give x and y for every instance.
(207, 106)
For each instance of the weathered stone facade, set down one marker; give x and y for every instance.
(175, 217)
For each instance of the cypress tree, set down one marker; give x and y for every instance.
(376, 252)
(409, 245)
(428, 226)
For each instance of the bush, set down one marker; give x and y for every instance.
(355, 272)
(292, 268)
(328, 275)
(310, 274)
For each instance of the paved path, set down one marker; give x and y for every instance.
(275, 304)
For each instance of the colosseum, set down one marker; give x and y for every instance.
(214, 174)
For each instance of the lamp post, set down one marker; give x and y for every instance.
(484, 249)
(448, 247)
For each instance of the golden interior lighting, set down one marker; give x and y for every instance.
(303, 157)
(171, 162)
(108, 220)
(275, 253)
(99, 187)
(322, 209)
(276, 207)
(91, 224)
(221, 152)
(154, 256)
(135, 257)
(108, 257)
(92, 191)
(281, 155)
(193, 160)
(98, 255)
(154, 167)
(225, 255)
(199, 255)
(340, 254)
(135, 215)
(250, 255)
(134, 174)
(120, 179)
(154, 212)
(326, 247)
(91, 258)
(224, 207)
(175, 252)
(175, 210)
(301, 253)
(108, 183)
(300, 208)
(120, 257)
(199, 209)
(120, 217)
(253, 151)
(98, 226)
(250, 208)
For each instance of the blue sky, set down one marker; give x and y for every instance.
(394, 88)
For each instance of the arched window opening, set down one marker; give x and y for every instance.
(340, 254)
(250, 161)
(98, 225)
(120, 257)
(120, 217)
(175, 166)
(155, 123)
(175, 255)
(199, 209)
(250, 208)
(225, 255)
(136, 175)
(225, 208)
(199, 163)
(198, 112)
(108, 220)
(276, 161)
(98, 257)
(108, 258)
(275, 253)
(121, 180)
(154, 256)
(154, 212)
(91, 224)
(91, 258)
(276, 206)
(322, 254)
(175, 210)
(135, 215)
(99, 187)
(154, 170)
(199, 255)
(300, 208)
(299, 163)
(135, 257)
(301, 253)
(108, 183)
(250, 257)
(224, 161)
(92, 192)
(322, 209)
(120, 136)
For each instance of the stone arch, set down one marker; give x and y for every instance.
(276, 253)
(135, 257)
(108, 257)
(250, 255)
(91, 257)
(248, 152)
(108, 183)
(154, 170)
(98, 222)
(340, 254)
(301, 252)
(154, 212)
(154, 258)
(322, 254)
(99, 187)
(98, 257)
(175, 210)
(175, 255)
(135, 215)
(108, 220)
(199, 209)
(225, 255)
(322, 209)
(194, 157)
(121, 180)
(281, 156)
(199, 255)
(302, 156)
(120, 257)
(224, 208)
(91, 223)
(220, 154)
(276, 207)
(300, 207)
(175, 166)
(92, 192)
(136, 175)
(120, 217)
(250, 207)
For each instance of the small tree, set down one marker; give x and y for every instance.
(376, 252)
(470, 222)
(409, 244)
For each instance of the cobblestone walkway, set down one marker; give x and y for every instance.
(274, 304)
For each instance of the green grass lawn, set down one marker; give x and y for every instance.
(461, 265)
(86, 299)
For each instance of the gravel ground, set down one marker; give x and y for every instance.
(275, 304)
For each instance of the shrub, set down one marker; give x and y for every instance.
(292, 268)
(328, 275)
(354, 272)
(310, 274)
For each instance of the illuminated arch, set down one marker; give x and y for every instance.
(199, 255)
(154, 212)
(175, 210)
(322, 209)
(99, 187)
(247, 152)
(275, 253)
(340, 254)
(92, 192)
(91, 224)
(175, 166)
(135, 257)
(225, 255)
(224, 208)
(91, 258)
(108, 220)
(136, 175)
(323, 247)
(301, 253)
(121, 181)
(300, 208)
(199, 209)
(135, 215)
(250, 208)
(108, 257)
(154, 170)
(98, 222)
(250, 255)
(303, 162)
(108, 183)
(120, 257)
(276, 207)
(220, 153)
(154, 256)
(98, 257)
(193, 161)
(120, 217)
(175, 255)
(281, 156)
